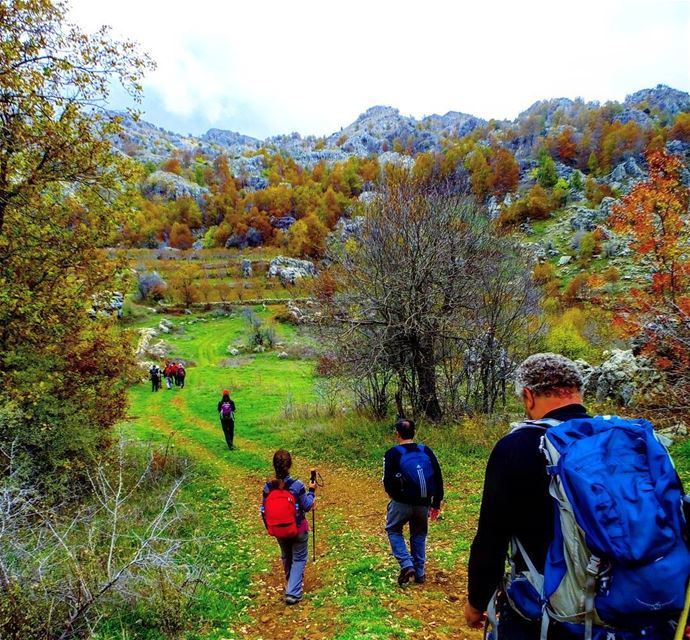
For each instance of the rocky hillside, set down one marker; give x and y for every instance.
(383, 130)
(569, 161)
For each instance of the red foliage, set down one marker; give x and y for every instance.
(654, 215)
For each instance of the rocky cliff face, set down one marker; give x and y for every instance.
(660, 98)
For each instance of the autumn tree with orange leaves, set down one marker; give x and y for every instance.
(655, 216)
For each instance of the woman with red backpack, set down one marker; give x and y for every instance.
(285, 503)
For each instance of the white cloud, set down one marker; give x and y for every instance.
(270, 66)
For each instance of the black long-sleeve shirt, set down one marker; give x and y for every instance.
(515, 502)
(392, 482)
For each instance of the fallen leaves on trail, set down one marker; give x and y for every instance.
(351, 590)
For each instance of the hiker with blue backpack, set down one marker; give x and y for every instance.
(592, 512)
(284, 505)
(413, 480)
(226, 412)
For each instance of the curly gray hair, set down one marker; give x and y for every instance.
(546, 373)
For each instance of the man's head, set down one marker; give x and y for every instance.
(405, 429)
(547, 381)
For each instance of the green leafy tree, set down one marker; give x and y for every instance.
(546, 172)
(63, 195)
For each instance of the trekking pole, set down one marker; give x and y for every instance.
(682, 623)
(313, 522)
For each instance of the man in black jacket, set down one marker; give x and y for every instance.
(516, 500)
(413, 480)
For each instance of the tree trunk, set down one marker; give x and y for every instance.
(426, 376)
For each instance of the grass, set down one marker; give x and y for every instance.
(350, 591)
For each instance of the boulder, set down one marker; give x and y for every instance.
(170, 186)
(678, 147)
(584, 219)
(290, 270)
(564, 260)
(625, 172)
(107, 304)
(247, 270)
(251, 238)
(493, 209)
(283, 355)
(367, 197)
(634, 115)
(349, 228)
(165, 326)
(606, 207)
(148, 349)
(620, 377)
(283, 223)
(259, 349)
(233, 352)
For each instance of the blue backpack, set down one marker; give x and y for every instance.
(619, 563)
(417, 473)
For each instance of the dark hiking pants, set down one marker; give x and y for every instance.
(229, 431)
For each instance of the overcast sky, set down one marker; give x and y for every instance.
(264, 67)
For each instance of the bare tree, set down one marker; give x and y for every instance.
(428, 287)
(65, 568)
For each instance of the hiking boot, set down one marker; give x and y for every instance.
(291, 600)
(405, 575)
(420, 579)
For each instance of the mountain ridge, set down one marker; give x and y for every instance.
(378, 128)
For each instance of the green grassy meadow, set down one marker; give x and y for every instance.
(350, 592)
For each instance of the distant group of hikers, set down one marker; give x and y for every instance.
(587, 512)
(174, 373)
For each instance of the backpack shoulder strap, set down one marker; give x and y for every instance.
(543, 423)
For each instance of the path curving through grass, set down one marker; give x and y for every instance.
(350, 590)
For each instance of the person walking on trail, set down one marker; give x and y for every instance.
(284, 505)
(558, 489)
(180, 376)
(226, 411)
(173, 373)
(167, 373)
(413, 480)
(155, 376)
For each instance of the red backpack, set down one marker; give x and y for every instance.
(280, 513)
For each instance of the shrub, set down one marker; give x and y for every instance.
(151, 286)
(534, 205)
(574, 291)
(588, 245)
(681, 128)
(260, 335)
(62, 575)
(543, 272)
(564, 336)
(595, 192)
(611, 275)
